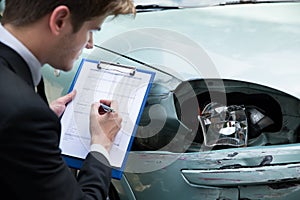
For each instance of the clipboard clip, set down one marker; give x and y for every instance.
(115, 67)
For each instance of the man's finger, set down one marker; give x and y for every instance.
(69, 97)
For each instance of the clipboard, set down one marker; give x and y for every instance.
(93, 81)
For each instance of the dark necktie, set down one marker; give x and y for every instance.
(41, 90)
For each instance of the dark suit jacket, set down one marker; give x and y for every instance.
(31, 166)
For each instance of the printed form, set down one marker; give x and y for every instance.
(104, 81)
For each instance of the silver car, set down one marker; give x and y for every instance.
(222, 118)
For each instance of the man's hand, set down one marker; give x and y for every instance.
(59, 105)
(104, 127)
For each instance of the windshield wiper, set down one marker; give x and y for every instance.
(154, 7)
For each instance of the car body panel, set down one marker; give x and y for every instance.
(247, 36)
(167, 182)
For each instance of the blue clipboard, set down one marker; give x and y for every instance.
(77, 161)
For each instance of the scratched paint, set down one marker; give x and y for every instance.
(218, 170)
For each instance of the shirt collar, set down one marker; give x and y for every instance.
(34, 65)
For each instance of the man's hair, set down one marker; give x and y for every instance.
(24, 12)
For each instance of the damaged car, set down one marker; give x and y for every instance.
(222, 118)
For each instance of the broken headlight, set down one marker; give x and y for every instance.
(224, 125)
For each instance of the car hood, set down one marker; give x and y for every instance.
(255, 43)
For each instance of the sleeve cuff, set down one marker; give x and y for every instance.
(99, 148)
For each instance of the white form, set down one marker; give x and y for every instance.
(92, 84)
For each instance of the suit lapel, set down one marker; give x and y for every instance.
(16, 63)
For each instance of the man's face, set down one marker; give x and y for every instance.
(71, 44)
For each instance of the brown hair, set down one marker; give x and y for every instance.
(24, 12)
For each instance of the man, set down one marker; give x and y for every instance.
(32, 34)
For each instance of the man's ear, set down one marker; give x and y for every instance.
(59, 18)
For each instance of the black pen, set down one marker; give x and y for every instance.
(106, 108)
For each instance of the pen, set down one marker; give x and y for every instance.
(106, 108)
